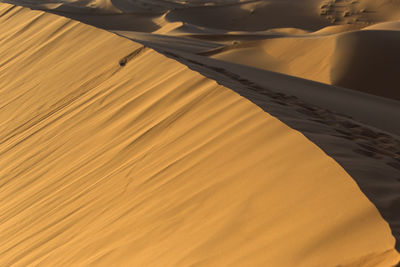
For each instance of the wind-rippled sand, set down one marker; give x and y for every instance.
(161, 134)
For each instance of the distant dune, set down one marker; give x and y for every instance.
(207, 133)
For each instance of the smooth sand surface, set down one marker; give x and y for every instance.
(112, 154)
(363, 60)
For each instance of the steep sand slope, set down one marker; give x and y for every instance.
(311, 39)
(366, 60)
(152, 164)
(356, 129)
(369, 61)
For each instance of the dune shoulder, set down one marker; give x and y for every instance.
(150, 163)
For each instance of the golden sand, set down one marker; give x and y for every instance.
(152, 164)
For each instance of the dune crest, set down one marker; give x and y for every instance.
(319, 40)
(113, 154)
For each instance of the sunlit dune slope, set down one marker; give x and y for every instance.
(151, 164)
(328, 45)
(365, 60)
(319, 40)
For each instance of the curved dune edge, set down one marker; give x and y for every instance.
(364, 60)
(318, 40)
(152, 164)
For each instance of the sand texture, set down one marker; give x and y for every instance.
(199, 133)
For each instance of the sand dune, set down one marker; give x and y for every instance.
(113, 154)
(365, 60)
(362, 60)
(317, 40)
(368, 61)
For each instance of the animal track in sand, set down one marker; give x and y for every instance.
(371, 143)
(343, 12)
(123, 61)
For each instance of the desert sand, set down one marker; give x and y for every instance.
(199, 133)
